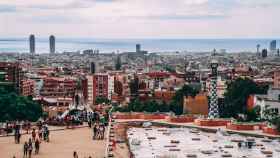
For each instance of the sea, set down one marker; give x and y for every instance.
(21, 45)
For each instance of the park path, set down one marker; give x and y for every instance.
(62, 144)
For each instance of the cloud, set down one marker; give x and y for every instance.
(141, 17)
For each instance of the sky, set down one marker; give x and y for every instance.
(141, 18)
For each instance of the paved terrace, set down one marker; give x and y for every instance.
(256, 133)
(62, 144)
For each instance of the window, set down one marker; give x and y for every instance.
(279, 97)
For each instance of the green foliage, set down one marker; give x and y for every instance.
(276, 122)
(268, 114)
(14, 107)
(169, 68)
(237, 95)
(101, 100)
(272, 117)
(176, 104)
(149, 106)
(253, 114)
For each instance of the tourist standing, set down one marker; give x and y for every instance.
(33, 134)
(25, 149)
(94, 131)
(37, 146)
(89, 123)
(102, 130)
(40, 133)
(30, 148)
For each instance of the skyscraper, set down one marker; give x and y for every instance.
(92, 67)
(32, 44)
(138, 48)
(264, 53)
(273, 46)
(52, 44)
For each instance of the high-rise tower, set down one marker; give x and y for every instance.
(138, 48)
(273, 46)
(52, 44)
(32, 44)
(214, 108)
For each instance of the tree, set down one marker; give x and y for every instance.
(118, 64)
(14, 107)
(101, 100)
(176, 104)
(237, 94)
(276, 122)
(253, 114)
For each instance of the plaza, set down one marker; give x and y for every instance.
(62, 145)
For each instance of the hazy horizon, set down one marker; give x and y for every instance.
(141, 19)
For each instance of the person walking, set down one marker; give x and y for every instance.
(18, 137)
(25, 149)
(40, 133)
(30, 148)
(89, 123)
(102, 131)
(37, 146)
(33, 134)
(75, 155)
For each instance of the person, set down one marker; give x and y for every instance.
(25, 149)
(94, 131)
(46, 133)
(102, 131)
(239, 144)
(40, 134)
(28, 126)
(33, 134)
(30, 148)
(89, 123)
(37, 146)
(75, 155)
(18, 135)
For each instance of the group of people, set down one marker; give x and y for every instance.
(36, 138)
(98, 131)
(97, 122)
(8, 127)
(75, 155)
(28, 147)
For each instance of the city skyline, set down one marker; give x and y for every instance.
(141, 19)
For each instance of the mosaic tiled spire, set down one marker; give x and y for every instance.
(214, 108)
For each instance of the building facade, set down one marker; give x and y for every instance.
(12, 74)
(27, 87)
(273, 46)
(52, 44)
(99, 86)
(32, 44)
(276, 79)
(55, 87)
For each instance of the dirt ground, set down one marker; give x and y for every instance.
(61, 145)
